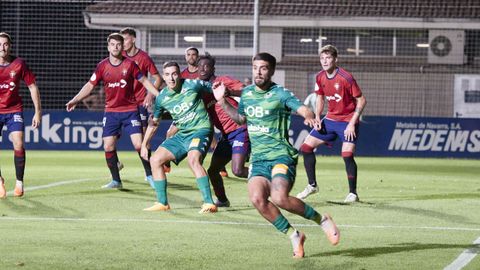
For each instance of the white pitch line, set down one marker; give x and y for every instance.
(57, 184)
(467, 255)
(67, 182)
(186, 221)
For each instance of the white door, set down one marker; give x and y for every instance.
(466, 96)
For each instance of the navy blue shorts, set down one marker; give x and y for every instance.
(14, 121)
(113, 122)
(333, 129)
(235, 142)
(143, 115)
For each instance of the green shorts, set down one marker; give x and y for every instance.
(283, 167)
(180, 144)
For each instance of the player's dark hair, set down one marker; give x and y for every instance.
(115, 36)
(7, 36)
(270, 59)
(129, 31)
(191, 49)
(208, 57)
(171, 64)
(329, 49)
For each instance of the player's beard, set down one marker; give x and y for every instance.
(261, 82)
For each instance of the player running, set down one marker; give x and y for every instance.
(266, 107)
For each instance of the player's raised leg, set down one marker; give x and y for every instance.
(280, 197)
(259, 191)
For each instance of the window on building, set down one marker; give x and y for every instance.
(342, 39)
(375, 42)
(412, 42)
(190, 39)
(300, 41)
(243, 39)
(218, 39)
(163, 39)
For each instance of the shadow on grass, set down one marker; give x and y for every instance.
(409, 210)
(360, 203)
(27, 206)
(403, 247)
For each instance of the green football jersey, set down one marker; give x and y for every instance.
(185, 105)
(268, 120)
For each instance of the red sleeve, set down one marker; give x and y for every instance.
(318, 85)
(27, 74)
(356, 92)
(233, 84)
(97, 75)
(152, 69)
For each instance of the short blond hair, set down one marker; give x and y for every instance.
(329, 49)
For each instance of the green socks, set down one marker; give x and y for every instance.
(161, 190)
(282, 224)
(311, 214)
(204, 187)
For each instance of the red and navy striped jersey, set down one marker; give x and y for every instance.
(340, 92)
(10, 76)
(118, 84)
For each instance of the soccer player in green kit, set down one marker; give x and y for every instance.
(182, 99)
(266, 107)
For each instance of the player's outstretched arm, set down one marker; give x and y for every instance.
(149, 133)
(149, 86)
(219, 93)
(35, 94)
(309, 116)
(84, 92)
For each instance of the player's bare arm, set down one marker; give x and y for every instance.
(83, 93)
(149, 86)
(219, 93)
(157, 83)
(149, 133)
(350, 129)
(172, 130)
(37, 104)
(308, 115)
(320, 104)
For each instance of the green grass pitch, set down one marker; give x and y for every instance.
(414, 214)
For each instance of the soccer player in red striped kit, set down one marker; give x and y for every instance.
(12, 70)
(345, 105)
(121, 112)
